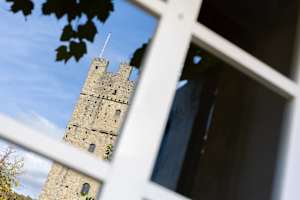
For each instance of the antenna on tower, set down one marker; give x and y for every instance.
(105, 44)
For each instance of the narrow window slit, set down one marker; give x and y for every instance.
(85, 189)
(92, 148)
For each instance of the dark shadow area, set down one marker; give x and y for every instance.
(222, 138)
(265, 29)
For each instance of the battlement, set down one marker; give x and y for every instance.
(125, 70)
(113, 86)
(99, 65)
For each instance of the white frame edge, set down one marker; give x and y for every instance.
(145, 133)
(60, 152)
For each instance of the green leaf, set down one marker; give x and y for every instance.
(105, 7)
(62, 53)
(138, 55)
(68, 33)
(60, 8)
(96, 8)
(87, 31)
(77, 49)
(53, 7)
(25, 6)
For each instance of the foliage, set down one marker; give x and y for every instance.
(24, 6)
(108, 152)
(89, 198)
(13, 196)
(10, 167)
(75, 34)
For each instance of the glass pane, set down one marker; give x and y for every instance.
(88, 98)
(223, 134)
(26, 174)
(47, 85)
(265, 29)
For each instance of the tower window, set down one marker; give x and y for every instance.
(85, 189)
(92, 148)
(118, 113)
(115, 92)
(96, 67)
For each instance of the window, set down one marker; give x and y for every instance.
(137, 130)
(85, 189)
(118, 113)
(115, 92)
(92, 148)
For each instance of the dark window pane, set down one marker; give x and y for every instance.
(92, 148)
(85, 189)
(223, 134)
(265, 29)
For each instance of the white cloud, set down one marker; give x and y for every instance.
(35, 168)
(35, 173)
(40, 124)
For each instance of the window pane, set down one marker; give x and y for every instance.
(80, 101)
(88, 98)
(223, 134)
(30, 175)
(92, 147)
(265, 29)
(85, 189)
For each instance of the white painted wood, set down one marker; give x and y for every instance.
(128, 176)
(288, 173)
(154, 7)
(155, 191)
(243, 61)
(140, 139)
(67, 155)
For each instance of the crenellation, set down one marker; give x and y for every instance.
(94, 125)
(97, 69)
(124, 71)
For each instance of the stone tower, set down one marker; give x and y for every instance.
(93, 127)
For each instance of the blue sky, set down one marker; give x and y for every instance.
(42, 93)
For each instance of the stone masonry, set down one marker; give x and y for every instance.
(93, 127)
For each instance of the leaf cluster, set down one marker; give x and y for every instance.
(13, 196)
(10, 167)
(74, 34)
(24, 6)
(108, 151)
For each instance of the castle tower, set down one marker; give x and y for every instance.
(93, 127)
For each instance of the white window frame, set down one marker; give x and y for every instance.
(128, 175)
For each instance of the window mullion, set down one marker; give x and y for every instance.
(155, 191)
(138, 145)
(154, 7)
(57, 151)
(288, 177)
(243, 61)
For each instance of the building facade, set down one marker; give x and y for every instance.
(93, 127)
